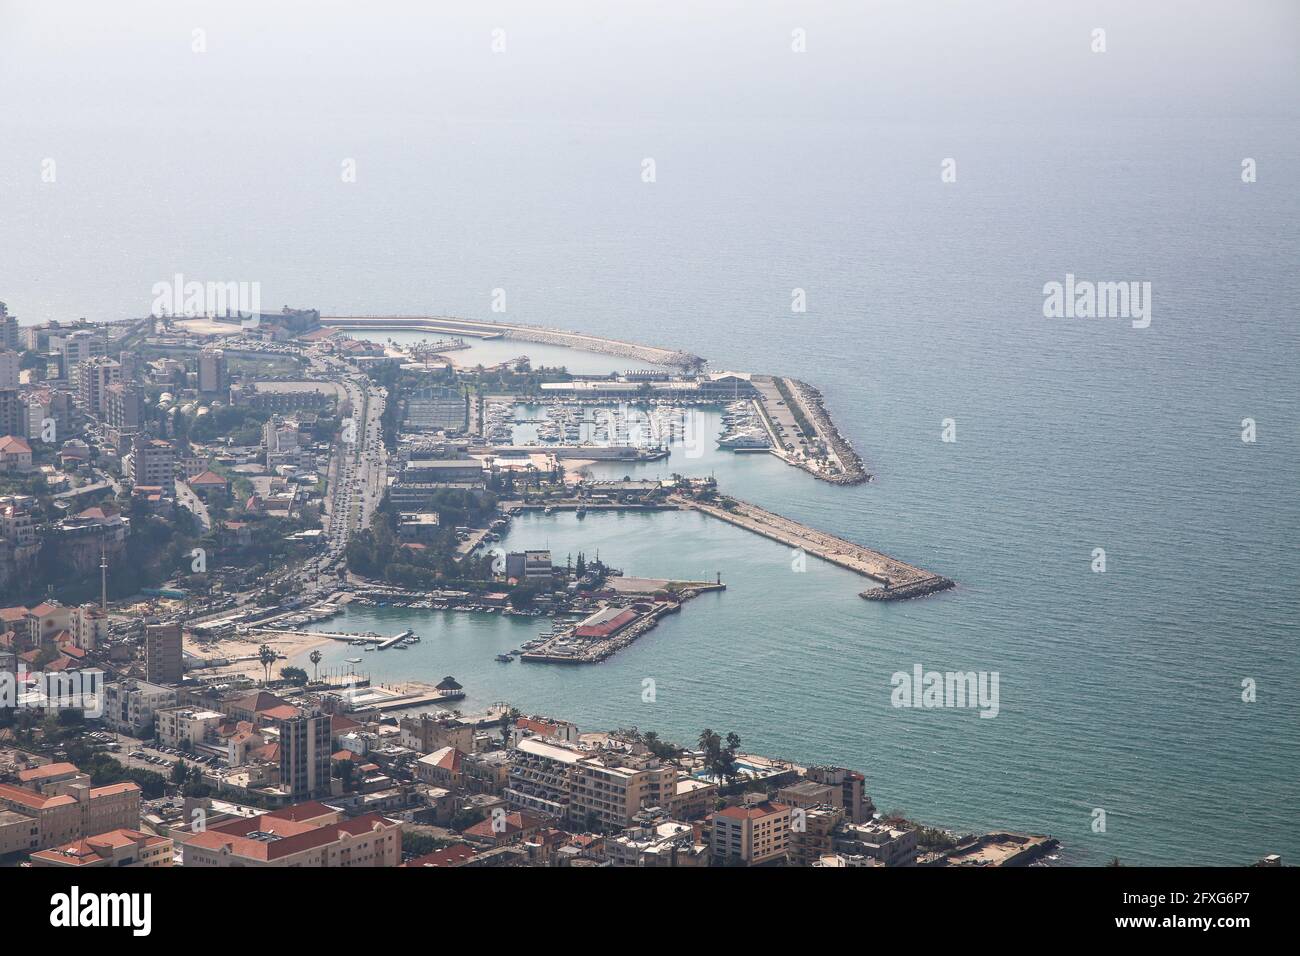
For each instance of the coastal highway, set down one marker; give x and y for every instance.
(358, 467)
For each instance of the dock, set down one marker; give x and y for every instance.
(900, 581)
(395, 639)
(378, 640)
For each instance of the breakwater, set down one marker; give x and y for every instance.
(900, 580)
(522, 333)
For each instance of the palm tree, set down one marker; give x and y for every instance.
(315, 658)
(511, 716)
(267, 657)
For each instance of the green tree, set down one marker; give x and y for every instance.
(507, 723)
(267, 657)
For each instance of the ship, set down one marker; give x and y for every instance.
(505, 658)
(745, 441)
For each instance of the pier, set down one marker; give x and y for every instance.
(802, 433)
(900, 581)
(447, 325)
(376, 639)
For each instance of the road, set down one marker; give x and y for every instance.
(358, 468)
(186, 498)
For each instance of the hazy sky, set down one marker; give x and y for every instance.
(296, 64)
(483, 168)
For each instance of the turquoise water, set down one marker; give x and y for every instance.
(1119, 690)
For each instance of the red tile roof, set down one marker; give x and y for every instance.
(49, 770)
(287, 836)
(515, 822)
(753, 811)
(457, 854)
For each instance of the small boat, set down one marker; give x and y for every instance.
(370, 647)
(505, 658)
(353, 660)
(582, 511)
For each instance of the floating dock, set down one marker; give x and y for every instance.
(900, 581)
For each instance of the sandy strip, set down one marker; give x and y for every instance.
(292, 648)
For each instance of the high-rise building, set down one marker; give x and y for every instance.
(8, 328)
(9, 368)
(212, 372)
(751, 834)
(93, 379)
(131, 365)
(123, 404)
(152, 462)
(89, 626)
(852, 797)
(13, 412)
(45, 414)
(305, 756)
(75, 348)
(162, 654)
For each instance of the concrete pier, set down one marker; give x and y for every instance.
(901, 581)
(523, 333)
(803, 434)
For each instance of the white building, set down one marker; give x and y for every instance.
(130, 705)
(182, 726)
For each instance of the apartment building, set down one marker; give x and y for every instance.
(656, 843)
(15, 455)
(89, 626)
(130, 705)
(874, 840)
(305, 748)
(13, 412)
(52, 779)
(93, 379)
(124, 402)
(185, 726)
(116, 848)
(152, 461)
(693, 798)
(306, 835)
(600, 787)
(212, 377)
(853, 799)
(60, 819)
(753, 834)
(611, 788)
(9, 367)
(442, 768)
(540, 775)
(486, 772)
(812, 833)
(162, 654)
(426, 733)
